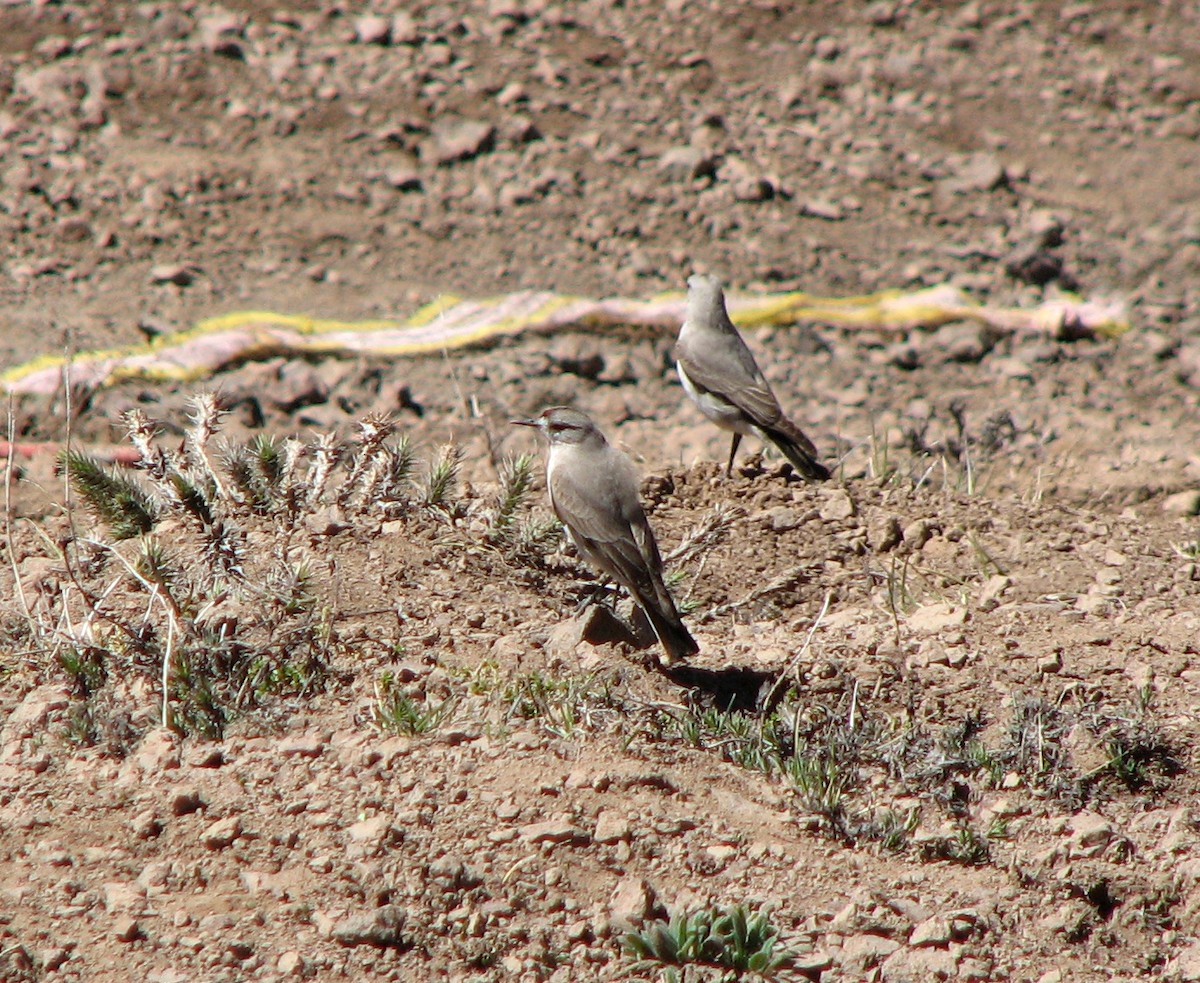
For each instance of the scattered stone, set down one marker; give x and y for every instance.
(146, 825)
(687, 163)
(305, 746)
(185, 802)
(917, 534)
(373, 29)
(918, 965)
(932, 931)
(980, 171)
(1185, 965)
(634, 902)
(885, 534)
(453, 140)
(222, 833)
(31, 715)
(382, 928)
(180, 274)
(863, 952)
(404, 177)
(822, 208)
(1034, 265)
(205, 756)
(932, 618)
(611, 827)
(1090, 833)
(371, 836)
(1183, 503)
(553, 831)
(836, 505)
(127, 896)
(992, 590)
(1050, 663)
(404, 28)
(52, 959)
(297, 384)
(783, 518)
(126, 929)
(965, 342)
(158, 752)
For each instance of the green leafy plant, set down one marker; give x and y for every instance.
(733, 940)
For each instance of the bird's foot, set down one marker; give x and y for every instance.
(596, 593)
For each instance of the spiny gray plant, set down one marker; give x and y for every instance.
(370, 461)
(227, 628)
(325, 455)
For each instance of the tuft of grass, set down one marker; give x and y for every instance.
(891, 830)
(371, 462)
(86, 668)
(399, 713)
(562, 704)
(115, 499)
(819, 782)
(443, 475)
(516, 479)
(964, 847)
(192, 499)
(256, 471)
(230, 617)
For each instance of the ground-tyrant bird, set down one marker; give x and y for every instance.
(593, 489)
(719, 373)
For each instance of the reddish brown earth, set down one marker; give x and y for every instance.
(1008, 668)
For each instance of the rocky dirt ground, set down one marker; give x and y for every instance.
(944, 718)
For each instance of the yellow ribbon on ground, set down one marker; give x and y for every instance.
(453, 322)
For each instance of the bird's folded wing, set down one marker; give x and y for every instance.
(738, 383)
(596, 517)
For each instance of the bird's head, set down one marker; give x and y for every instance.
(563, 425)
(706, 298)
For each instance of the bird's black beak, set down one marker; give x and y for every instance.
(524, 423)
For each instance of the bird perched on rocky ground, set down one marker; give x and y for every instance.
(720, 374)
(593, 489)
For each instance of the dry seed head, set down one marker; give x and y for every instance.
(205, 412)
(141, 431)
(324, 459)
(370, 462)
(374, 429)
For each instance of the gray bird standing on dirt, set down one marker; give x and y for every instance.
(719, 373)
(593, 489)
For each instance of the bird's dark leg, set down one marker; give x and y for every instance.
(594, 594)
(737, 439)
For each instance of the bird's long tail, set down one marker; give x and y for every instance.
(799, 450)
(676, 640)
